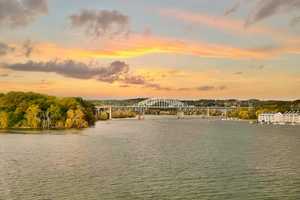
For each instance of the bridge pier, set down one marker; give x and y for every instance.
(141, 115)
(109, 113)
(208, 112)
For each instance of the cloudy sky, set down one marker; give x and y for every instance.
(187, 49)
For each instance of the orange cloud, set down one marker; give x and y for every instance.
(139, 45)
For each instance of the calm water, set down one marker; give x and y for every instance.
(159, 158)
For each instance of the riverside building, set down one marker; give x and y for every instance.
(279, 118)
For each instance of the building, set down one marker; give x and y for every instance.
(291, 117)
(279, 118)
(270, 118)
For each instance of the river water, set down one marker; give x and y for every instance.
(157, 158)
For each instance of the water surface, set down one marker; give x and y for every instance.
(158, 158)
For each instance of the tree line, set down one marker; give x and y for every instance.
(256, 106)
(38, 111)
(265, 107)
(267, 104)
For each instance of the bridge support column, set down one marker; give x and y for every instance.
(141, 114)
(208, 112)
(109, 113)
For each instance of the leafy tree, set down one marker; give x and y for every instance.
(33, 116)
(79, 120)
(75, 119)
(55, 116)
(70, 119)
(4, 120)
(243, 114)
(103, 116)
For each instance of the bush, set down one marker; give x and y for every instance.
(103, 116)
(123, 114)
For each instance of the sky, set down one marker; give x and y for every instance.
(191, 49)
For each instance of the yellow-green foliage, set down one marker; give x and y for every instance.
(4, 123)
(75, 119)
(103, 116)
(32, 110)
(123, 114)
(243, 114)
(32, 116)
(59, 124)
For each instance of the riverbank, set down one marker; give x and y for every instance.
(212, 118)
(41, 131)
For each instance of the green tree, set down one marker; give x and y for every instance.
(76, 119)
(33, 116)
(70, 119)
(244, 114)
(4, 120)
(79, 120)
(103, 116)
(55, 115)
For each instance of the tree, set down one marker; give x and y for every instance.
(55, 115)
(75, 119)
(244, 114)
(79, 120)
(70, 119)
(33, 116)
(4, 120)
(103, 116)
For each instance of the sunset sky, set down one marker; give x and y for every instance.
(189, 49)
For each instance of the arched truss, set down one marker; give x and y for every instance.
(160, 103)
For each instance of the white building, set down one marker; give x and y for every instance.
(291, 117)
(270, 118)
(279, 118)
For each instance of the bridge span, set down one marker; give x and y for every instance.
(167, 104)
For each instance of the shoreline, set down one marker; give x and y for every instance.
(187, 117)
(147, 117)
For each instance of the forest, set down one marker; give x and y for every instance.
(38, 111)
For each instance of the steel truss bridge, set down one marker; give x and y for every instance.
(165, 104)
(160, 103)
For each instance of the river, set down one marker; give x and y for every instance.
(156, 158)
